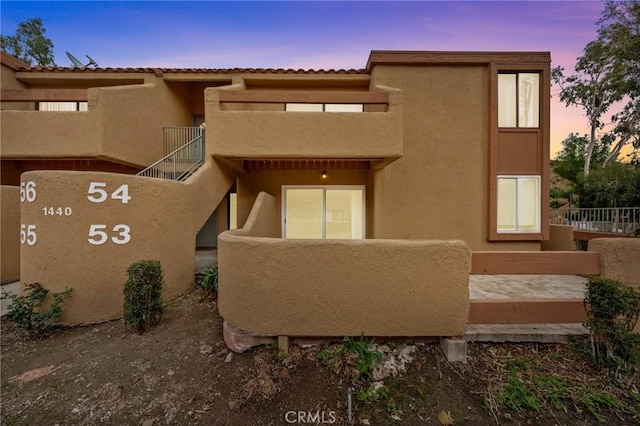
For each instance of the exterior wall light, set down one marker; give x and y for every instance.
(324, 174)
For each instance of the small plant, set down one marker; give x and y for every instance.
(613, 310)
(27, 313)
(367, 356)
(376, 392)
(207, 280)
(143, 304)
(598, 400)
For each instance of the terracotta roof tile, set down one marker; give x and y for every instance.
(198, 70)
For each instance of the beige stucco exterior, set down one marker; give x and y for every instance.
(620, 259)
(420, 148)
(163, 217)
(10, 233)
(560, 239)
(340, 288)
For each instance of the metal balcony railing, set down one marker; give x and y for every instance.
(620, 220)
(180, 163)
(176, 137)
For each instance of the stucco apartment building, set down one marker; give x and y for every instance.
(350, 189)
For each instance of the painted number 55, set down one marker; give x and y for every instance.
(97, 193)
(99, 236)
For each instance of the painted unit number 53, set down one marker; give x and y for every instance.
(97, 193)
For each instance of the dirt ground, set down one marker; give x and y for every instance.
(181, 373)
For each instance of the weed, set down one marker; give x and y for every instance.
(551, 389)
(26, 312)
(207, 280)
(516, 395)
(376, 392)
(598, 400)
(367, 356)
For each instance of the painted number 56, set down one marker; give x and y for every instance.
(97, 193)
(27, 191)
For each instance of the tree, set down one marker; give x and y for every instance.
(616, 185)
(620, 31)
(29, 43)
(595, 86)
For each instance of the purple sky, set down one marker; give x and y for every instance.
(308, 34)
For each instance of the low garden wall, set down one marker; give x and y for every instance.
(620, 258)
(286, 287)
(10, 234)
(560, 239)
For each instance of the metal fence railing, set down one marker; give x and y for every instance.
(176, 137)
(621, 220)
(180, 163)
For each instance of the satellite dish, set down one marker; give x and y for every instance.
(77, 64)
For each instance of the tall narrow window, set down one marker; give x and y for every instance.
(518, 204)
(519, 99)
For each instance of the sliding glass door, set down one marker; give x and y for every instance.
(332, 212)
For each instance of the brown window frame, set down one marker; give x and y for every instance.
(542, 134)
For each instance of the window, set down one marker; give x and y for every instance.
(518, 204)
(332, 212)
(62, 106)
(324, 107)
(518, 99)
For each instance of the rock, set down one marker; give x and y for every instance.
(229, 358)
(171, 373)
(365, 422)
(233, 404)
(239, 340)
(206, 349)
(148, 422)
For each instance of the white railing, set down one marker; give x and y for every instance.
(176, 137)
(620, 220)
(179, 164)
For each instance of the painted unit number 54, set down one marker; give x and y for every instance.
(98, 194)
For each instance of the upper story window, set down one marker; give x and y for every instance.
(519, 99)
(62, 106)
(324, 107)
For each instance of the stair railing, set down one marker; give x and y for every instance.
(179, 164)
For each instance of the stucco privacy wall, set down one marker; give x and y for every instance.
(560, 239)
(341, 287)
(439, 187)
(10, 233)
(159, 221)
(123, 124)
(620, 259)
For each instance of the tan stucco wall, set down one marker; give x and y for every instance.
(163, 216)
(8, 81)
(268, 134)
(10, 233)
(123, 124)
(560, 239)
(346, 287)
(439, 188)
(620, 259)
(264, 218)
(271, 181)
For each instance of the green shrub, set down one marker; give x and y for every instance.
(207, 280)
(27, 311)
(613, 309)
(143, 304)
(368, 357)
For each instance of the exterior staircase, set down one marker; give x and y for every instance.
(183, 161)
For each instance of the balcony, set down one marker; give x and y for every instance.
(255, 124)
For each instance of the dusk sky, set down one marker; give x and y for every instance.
(189, 34)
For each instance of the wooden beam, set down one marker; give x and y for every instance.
(43, 95)
(588, 235)
(527, 311)
(303, 97)
(535, 262)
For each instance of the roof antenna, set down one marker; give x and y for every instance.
(77, 64)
